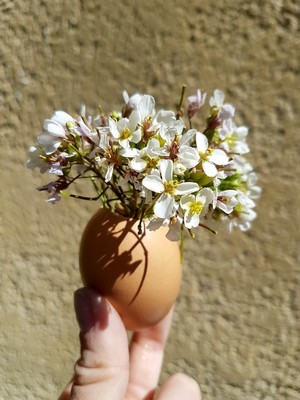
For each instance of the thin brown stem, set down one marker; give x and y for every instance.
(208, 228)
(76, 196)
(179, 108)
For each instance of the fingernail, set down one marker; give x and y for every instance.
(91, 309)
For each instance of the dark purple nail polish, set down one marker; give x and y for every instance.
(91, 309)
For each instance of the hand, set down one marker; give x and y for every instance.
(108, 370)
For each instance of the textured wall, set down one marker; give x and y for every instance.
(236, 328)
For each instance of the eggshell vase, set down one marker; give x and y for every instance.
(139, 274)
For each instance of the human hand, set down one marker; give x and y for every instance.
(109, 370)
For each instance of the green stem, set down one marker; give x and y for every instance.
(181, 243)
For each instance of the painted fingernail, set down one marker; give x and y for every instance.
(91, 309)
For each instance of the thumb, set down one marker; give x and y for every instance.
(103, 368)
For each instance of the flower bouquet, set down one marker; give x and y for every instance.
(155, 174)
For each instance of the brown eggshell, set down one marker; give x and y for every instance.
(139, 274)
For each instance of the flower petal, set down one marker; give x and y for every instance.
(189, 157)
(217, 99)
(207, 193)
(146, 106)
(166, 169)
(113, 128)
(129, 152)
(54, 128)
(124, 143)
(186, 188)
(191, 221)
(168, 117)
(152, 147)
(209, 168)
(226, 208)
(138, 164)
(187, 136)
(49, 142)
(202, 142)
(195, 219)
(164, 206)
(154, 183)
(228, 193)
(226, 112)
(62, 117)
(218, 157)
(109, 172)
(136, 136)
(134, 119)
(186, 200)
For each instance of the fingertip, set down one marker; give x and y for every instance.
(91, 309)
(94, 312)
(180, 386)
(188, 382)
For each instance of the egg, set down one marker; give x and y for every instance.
(140, 274)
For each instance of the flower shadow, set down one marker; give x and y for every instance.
(112, 251)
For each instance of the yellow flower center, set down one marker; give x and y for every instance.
(231, 140)
(170, 187)
(239, 208)
(204, 156)
(125, 134)
(148, 120)
(152, 163)
(196, 207)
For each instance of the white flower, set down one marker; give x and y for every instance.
(147, 158)
(132, 101)
(177, 149)
(109, 157)
(225, 200)
(145, 107)
(195, 103)
(62, 118)
(168, 125)
(234, 138)
(218, 178)
(55, 131)
(126, 130)
(240, 165)
(168, 188)
(187, 157)
(243, 213)
(254, 191)
(195, 206)
(217, 99)
(226, 111)
(210, 157)
(36, 161)
(91, 135)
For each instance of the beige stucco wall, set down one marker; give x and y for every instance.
(236, 327)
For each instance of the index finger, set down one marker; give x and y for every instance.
(146, 356)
